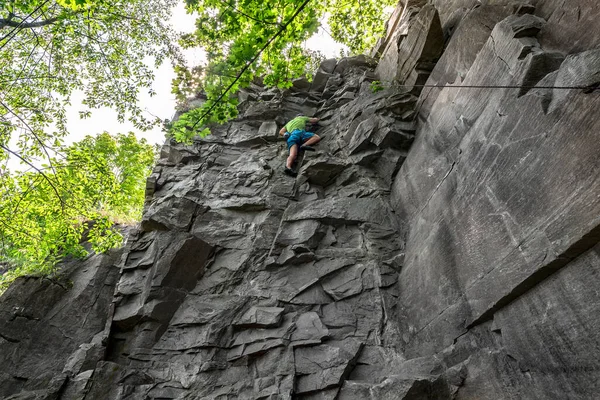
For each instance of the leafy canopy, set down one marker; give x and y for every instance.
(45, 215)
(106, 51)
(50, 49)
(234, 34)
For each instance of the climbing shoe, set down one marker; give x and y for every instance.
(307, 148)
(290, 172)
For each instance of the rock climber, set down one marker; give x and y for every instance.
(298, 139)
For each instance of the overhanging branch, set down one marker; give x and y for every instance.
(14, 153)
(249, 63)
(4, 22)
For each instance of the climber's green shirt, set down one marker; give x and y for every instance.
(296, 123)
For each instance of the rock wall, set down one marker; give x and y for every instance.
(441, 243)
(52, 329)
(500, 191)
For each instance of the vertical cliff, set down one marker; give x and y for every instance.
(441, 243)
(500, 193)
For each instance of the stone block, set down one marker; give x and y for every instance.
(328, 65)
(320, 81)
(324, 366)
(309, 330)
(422, 44)
(322, 171)
(260, 317)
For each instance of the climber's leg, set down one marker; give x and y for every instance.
(290, 160)
(292, 157)
(313, 139)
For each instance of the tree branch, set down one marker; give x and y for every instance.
(24, 194)
(14, 29)
(260, 21)
(4, 22)
(16, 230)
(249, 63)
(40, 141)
(14, 153)
(28, 78)
(37, 39)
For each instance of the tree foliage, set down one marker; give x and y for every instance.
(50, 49)
(46, 214)
(245, 39)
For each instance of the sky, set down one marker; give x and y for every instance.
(162, 104)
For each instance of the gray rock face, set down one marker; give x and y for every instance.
(440, 243)
(414, 48)
(53, 329)
(498, 204)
